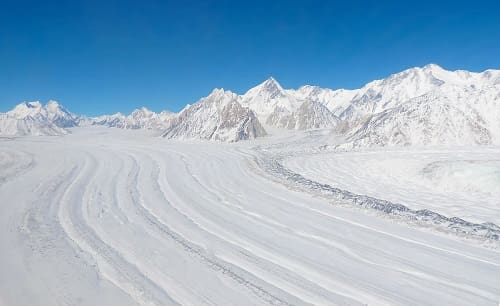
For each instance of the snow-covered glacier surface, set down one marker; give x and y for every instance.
(459, 182)
(114, 217)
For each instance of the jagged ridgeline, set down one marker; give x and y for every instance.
(419, 106)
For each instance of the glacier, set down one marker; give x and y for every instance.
(383, 195)
(115, 216)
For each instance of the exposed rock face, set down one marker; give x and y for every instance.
(419, 106)
(310, 115)
(424, 121)
(217, 117)
(335, 100)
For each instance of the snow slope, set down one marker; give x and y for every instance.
(431, 119)
(458, 182)
(268, 96)
(427, 106)
(218, 116)
(110, 217)
(335, 100)
(301, 109)
(419, 106)
(398, 88)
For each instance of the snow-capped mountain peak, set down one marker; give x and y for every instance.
(32, 118)
(268, 90)
(398, 88)
(335, 100)
(310, 115)
(25, 109)
(401, 105)
(59, 115)
(141, 118)
(52, 111)
(432, 67)
(219, 97)
(219, 116)
(142, 112)
(427, 106)
(52, 104)
(271, 86)
(267, 96)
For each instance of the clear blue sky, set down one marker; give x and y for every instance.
(100, 57)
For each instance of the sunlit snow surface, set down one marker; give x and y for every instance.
(113, 217)
(457, 182)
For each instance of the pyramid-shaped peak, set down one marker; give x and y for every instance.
(271, 80)
(271, 85)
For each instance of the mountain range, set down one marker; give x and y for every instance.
(33, 118)
(419, 106)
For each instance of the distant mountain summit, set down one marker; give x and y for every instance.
(266, 97)
(426, 120)
(32, 118)
(427, 106)
(419, 106)
(141, 118)
(309, 115)
(335, 100)
(287, 108)
(218, 116)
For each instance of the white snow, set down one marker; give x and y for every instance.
(335, 100)
(302, 109)
(427, 106)
(116, 217)
(264, 98)
(32, 118)
(218, 116)
(458, 182)
(383, 195)
(309, 115)
(142, 118)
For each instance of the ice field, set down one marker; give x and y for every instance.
(460, 182)
(114, 217)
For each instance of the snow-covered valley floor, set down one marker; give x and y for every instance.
(110, 217)
(459, 182)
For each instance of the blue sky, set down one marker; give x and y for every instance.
(100, 57)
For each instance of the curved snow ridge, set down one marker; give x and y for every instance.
(260, 269)
(112, 265)
(151, 223)
(272, 164)
(118, 264)
(211, 261)
(273, 263)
